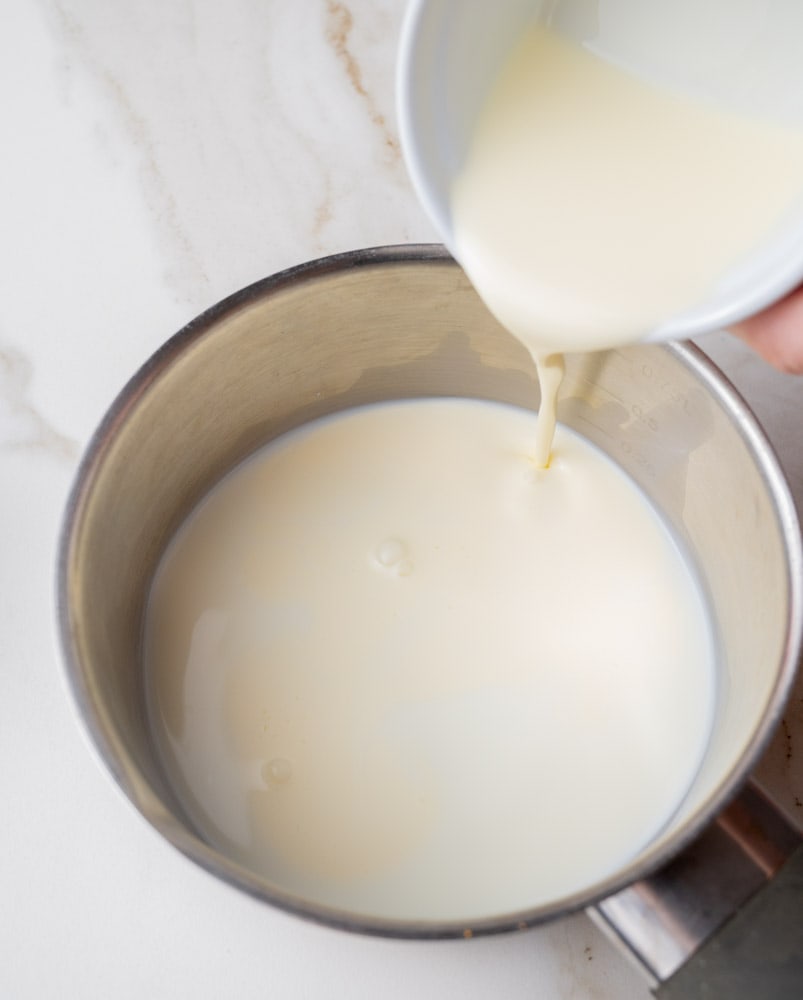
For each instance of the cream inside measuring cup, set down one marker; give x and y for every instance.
(397, 669)
(593, 207)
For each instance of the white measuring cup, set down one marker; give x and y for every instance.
(745, 56)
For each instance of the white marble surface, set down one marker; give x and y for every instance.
(157, 156)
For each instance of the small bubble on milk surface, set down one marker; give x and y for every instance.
(277, 771)
(392, 556)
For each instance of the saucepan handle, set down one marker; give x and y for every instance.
(725, 918)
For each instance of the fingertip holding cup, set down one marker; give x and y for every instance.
(776, 333)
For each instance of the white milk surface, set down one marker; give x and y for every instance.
(395, 667)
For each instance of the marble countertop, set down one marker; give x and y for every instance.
(157, 157)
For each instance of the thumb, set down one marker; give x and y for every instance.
(777, 333)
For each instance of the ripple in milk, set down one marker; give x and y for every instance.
(394, 667)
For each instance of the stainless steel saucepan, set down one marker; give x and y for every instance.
(402, 322)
